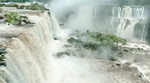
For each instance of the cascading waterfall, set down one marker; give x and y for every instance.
(83, 19)
(144, 33)
(30, 60)
(27, 58)
(27, 54)
(31, 49)
(121, 21)
(129, 17)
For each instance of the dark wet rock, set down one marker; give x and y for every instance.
(67, 46)
(118, 64)
(1, 17)
(126, 50)
(2, 51)
(73, 40)
(2, 57)
(3, 63)
(128, 63)
(49, 13)
(56, 37)
(112, 58)
(59, 54)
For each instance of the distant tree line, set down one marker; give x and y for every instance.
(24, 0)
(134, 2)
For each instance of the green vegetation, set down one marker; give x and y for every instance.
(13, 18)
(104, 39)
(13, 0)
(73, 40)
(33, 6)
(36, 6)
(112, 58)
(2, 57)
(133, 2)
(91, 45)
(59, 54)
(49, 13)
(11, 5)
(95, 42)
(118, 64)
(128, 63)
(1, 5)
(1, 17)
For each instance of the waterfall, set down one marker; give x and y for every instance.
(27, 58)
(27, 54)
(83, 18)
(129, 17)
(31, 48)
(30, 55)
(121, 21)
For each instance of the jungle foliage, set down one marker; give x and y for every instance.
(15, 18)
(93, 42)
(33, 6)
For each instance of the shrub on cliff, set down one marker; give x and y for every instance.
(35, 6)
(13, 18)
(1, 5)
(11, 5)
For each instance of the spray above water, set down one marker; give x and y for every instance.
(122, 20)
(32, 53)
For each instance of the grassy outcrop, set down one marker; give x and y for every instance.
(35, 6)
(15, 19)
(93, 42)
(11, 5)
(104, 39)
(1, 5)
